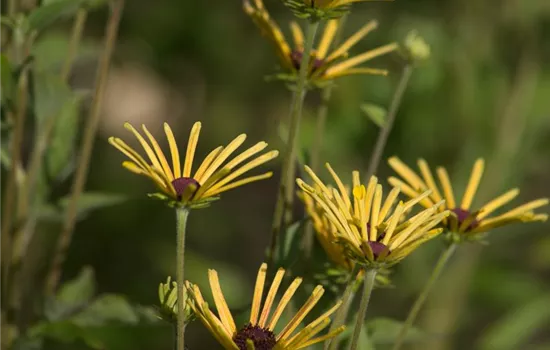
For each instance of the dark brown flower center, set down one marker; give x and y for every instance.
(296, 57)
(180, 185)
(263, 338)
(377, 248)
(462, 215)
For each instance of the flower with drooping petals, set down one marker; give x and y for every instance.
(464, 222)
(373, 233)
(324, 65)
(260, 332)
(177, 184)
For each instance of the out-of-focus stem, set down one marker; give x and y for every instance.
(388, 125)
(87, 147)
(413, 313)
(368, 286)
(181, 224)
(341, 314)
(285, 194)
(76, 36)
(8, 204)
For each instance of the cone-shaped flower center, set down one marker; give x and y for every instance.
(180, 184)
(462, 215)
(263, 338)
(377, 248)
(296, 57)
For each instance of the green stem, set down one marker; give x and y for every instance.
(368, 286)
(10, 194)
(340, 317)
(285, 195)
(181, 223)
(78, 28)
(413, 313)
(388, 125)
(87, 147)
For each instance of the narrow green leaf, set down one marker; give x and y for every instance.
(72, 296)
(65, 332)
(51, 94)
(80, 289)
(48, 13)
(385, 331)
(516, 327)
(107, 308)
(60, 150)
(6, 79)
(375, 113)
(89, 201)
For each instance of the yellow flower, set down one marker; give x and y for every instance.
(373, 234)
(209, 180)
(324, 65)
(326, 232)
(463, 219)
(259, 332)
(319, 9)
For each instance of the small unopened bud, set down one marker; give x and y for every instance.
(168, 298)
(416, 47)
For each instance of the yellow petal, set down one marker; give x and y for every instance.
(473, 184)
(285, 299)
(301, 314)
(497, 203)
(217, 162)
(173, 150)
(429, 179)
(356, 60)
(191, 149)
(271, 297)
(239, 183)
(352, 40)
(340, 185)
(206, 162)
(447, 187)
(145, 146)
(328, 35)
(160, 154)
(297, 35)
(258, 291)
(221, 304)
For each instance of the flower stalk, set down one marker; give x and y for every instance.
(388, 125)
(368, 285)
(65, 237)
(419, 302)
(340, 316)
(285, 195)
(181, 223)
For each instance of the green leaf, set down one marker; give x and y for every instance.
(6, 79)
(107, 308)
(385, 331)
(60, 150)
(516, 327)
(66, 332)
(72, 296)
(80, 289)
(89, 201)
(47, 14)
(376, 114)
(290, 245)
(51, 94)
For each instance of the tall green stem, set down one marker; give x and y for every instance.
(388, 125)
(76, 35)
(413, 313)
(368, 286)
(181, 223)
(65, 237)
(285, 195)
(340, 317)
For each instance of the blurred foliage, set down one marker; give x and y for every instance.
(483, 92)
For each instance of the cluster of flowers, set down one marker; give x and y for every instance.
(359, 228)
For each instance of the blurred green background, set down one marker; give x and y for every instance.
(485, 92)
